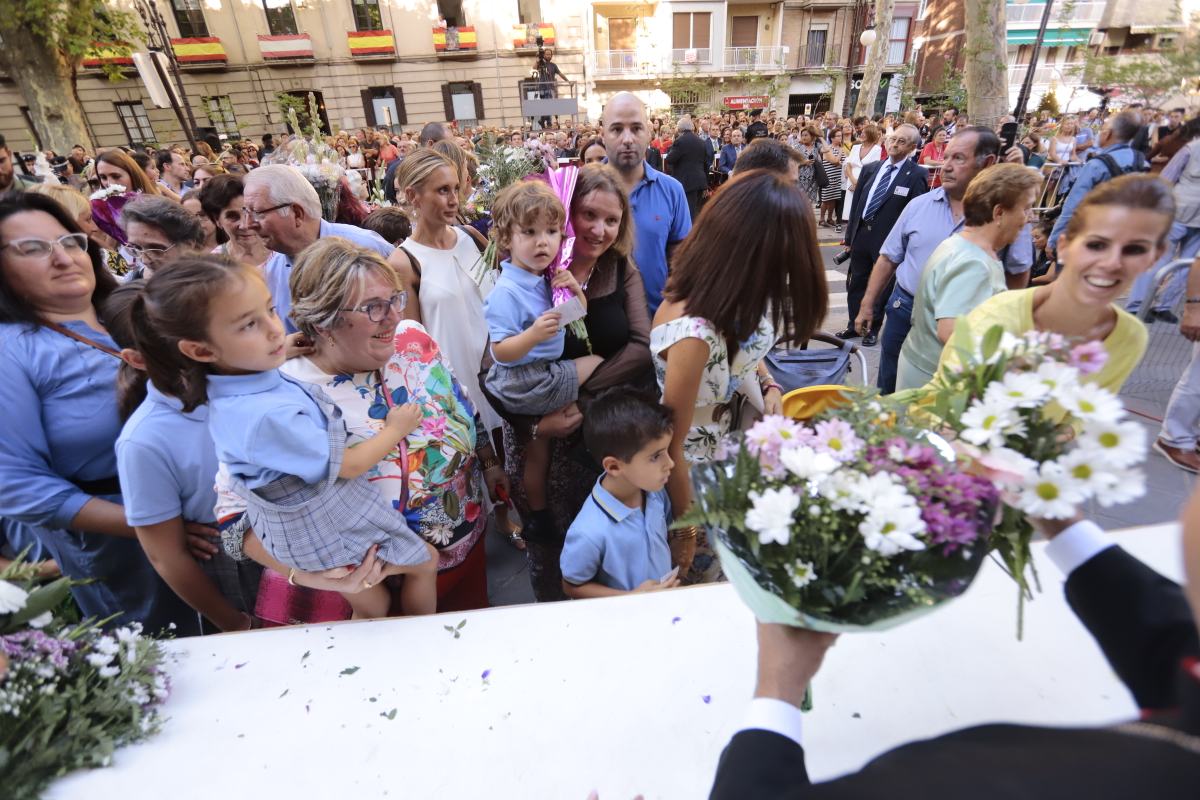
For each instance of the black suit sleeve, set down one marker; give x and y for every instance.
(1141, 621)
(760, 765)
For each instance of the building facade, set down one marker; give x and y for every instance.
(367, 62)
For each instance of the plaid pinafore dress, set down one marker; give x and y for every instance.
(333, 523)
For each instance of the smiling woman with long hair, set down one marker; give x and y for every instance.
(749, 272)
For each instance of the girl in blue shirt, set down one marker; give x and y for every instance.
(208, 333)
(529, 375)
(167, 464)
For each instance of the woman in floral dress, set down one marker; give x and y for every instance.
(811, 150)
(757, 233)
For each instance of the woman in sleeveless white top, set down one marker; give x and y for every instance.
(452, 311)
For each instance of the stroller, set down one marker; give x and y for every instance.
(814, 379)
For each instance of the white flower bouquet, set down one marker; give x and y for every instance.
(1024, 411)
(70, 693)
(854, 521)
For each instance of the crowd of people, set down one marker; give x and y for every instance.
(245, 410)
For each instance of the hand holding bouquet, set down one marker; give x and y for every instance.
(857, 521)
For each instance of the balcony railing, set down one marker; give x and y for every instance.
(1082, 13)
(455, 40)
(691, 55)
(1045, 75)
(755, 57)
(704, 59)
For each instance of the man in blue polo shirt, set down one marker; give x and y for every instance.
(660, 211)
(283, 208)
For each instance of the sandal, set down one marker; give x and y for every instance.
(511, 531)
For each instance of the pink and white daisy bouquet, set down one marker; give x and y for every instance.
(1027, 412)
(855, 520)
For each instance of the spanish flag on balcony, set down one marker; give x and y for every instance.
(199, 50)
(526, 35)
(371, 43)
(108, 53)
(448, 40)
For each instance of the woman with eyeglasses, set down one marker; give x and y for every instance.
(60, 421)
(349, 303)
(159, 231)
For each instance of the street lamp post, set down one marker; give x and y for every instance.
(158, 40)
(1027, 84)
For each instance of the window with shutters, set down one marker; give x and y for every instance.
(529, 11)
(189, 16)
(281, 19)
(814, 49)
(463, 102)
(366, 15)
(898, 41)
(219, 109)
(691, 39)
(743, 32)
(384, 105)
(135, 122)
(452, 12)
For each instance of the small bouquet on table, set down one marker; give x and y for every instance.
(71, 693)
(856, 520)
(1026, 412)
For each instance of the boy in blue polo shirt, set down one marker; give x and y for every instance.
(618, 542)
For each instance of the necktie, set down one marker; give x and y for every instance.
(881, 192)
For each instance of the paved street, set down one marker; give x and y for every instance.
(1146, 394)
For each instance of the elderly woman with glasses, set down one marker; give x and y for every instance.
(160, 231)
(348, 302)
(60, 422)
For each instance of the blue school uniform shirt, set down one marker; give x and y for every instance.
(167, 462)
(278, 268)
(264, 426)
(615, 545)
(660, 219)
(519, 298)
(58, 425)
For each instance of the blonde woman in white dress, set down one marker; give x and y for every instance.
(870, 149)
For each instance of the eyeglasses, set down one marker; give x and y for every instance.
(376, 310)
(259, 216)
(152, 252)
(71, 243)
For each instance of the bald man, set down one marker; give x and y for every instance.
(660, 210)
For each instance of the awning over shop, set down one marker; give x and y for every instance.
(1053, 38)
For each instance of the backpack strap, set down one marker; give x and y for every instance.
(416, 265)
(1114, 170)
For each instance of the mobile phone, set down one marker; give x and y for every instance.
(1008, 137)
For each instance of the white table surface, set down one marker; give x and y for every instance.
(627, 695)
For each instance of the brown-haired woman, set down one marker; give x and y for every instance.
(749, 271)
(1116, 233)
(116, 167)
(618, 326)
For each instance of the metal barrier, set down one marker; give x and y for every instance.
(1055, 175)
(1167, 352)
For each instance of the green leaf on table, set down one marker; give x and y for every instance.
(281, 694)
(304, 657)
(348, 671)
(389, 714)
(461, 624)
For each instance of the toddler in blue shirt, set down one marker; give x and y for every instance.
(618, 541)
(209, 334)
(527, 339)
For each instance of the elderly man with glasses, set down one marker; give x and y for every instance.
(283, 208)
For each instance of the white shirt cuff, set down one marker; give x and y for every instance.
(1077, 545)
(776, 716)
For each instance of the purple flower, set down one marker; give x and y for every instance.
(1088, 357)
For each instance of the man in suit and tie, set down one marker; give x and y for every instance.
(730, 153)
(1140, 620)
(884, 189)
(688, 160)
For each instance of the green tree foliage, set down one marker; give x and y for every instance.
(1152, 78)
(1049, 104)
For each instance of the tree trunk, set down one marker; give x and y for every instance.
(45, 78)
(876, 59)
(987, 62)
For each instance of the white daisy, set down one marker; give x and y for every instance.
(12, 598)
(1121, 444)
(1088, 469)
(806, 463)
(988, 421)
(1125, 485)
(1051, 494)
(1057, 376)
(771, 515)
(801, 573)
(843, 491)
(1019, 389)
(894, 531)
(1091, 403)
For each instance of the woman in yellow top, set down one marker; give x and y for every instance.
(1115, 234)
